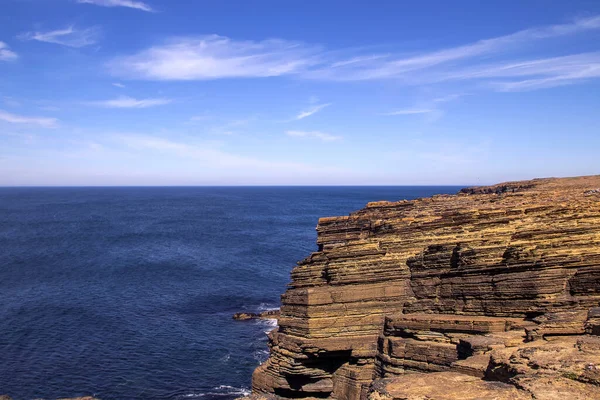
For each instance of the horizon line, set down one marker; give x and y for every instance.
(228, 186)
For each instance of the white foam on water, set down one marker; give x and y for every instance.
(267, 307)
(261, 355)
(227, 390)
(221, 390)
(270, 323)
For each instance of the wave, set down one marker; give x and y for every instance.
(261, 355)
(269, 324)
(267, 307)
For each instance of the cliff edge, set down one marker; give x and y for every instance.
(490, 293)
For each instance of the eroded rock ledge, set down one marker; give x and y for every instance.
(490, 293)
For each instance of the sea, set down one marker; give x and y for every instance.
(129, 292)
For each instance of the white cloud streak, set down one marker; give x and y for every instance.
(20, 119)
(119, 85)
(410, 111)
(130, 102)
(326, 137)
(70, 36)
(431, 109)
(6, 54)
(214, 57)
(205, 152)
(119, 3)
(363, 68)
(312, 110)
(198, 118)
(537, 74)
(449, 97)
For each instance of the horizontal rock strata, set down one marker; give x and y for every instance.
(490, 293)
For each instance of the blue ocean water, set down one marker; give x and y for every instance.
(128, 293)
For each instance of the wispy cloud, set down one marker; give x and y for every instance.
(359, 60)
(209, 154)
(409, 111)
(449, 97)
(70, 36)
(502, 63)
(214, 57)
(119, 85)
(130, 102)
(6, 54)
(431, 108)
(202, 117)
(326, 137)
(312, 110)
(24, 137)
(408, 68)
(538, 74)
(119, 3)
(20, 119)
(231, 127)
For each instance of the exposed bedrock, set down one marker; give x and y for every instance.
(490, 293)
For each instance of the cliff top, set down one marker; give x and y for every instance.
(541, 191)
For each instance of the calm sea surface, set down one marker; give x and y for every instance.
(128, 293)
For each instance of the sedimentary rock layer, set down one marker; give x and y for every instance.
(401, 295)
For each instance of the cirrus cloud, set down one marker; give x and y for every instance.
(130, 102)
(312, 110)
(326, 137)
(495, 62)
(21, 119)
(410, 111)
(6, 54)
(214, 57)
(69, 36)
(119, 3)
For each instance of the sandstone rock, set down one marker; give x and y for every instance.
(558, 388)
(425, 288)
(444, 386)
(244, 316)
(558, 323)
(592, 324)
(474, 365)
(573, 357)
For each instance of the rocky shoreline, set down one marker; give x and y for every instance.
(490, 293)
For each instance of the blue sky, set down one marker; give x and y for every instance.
(189, 92)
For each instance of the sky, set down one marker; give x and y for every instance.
(271, 92)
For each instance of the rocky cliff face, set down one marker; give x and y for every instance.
(490, 293)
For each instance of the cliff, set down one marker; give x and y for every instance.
(489, 293)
